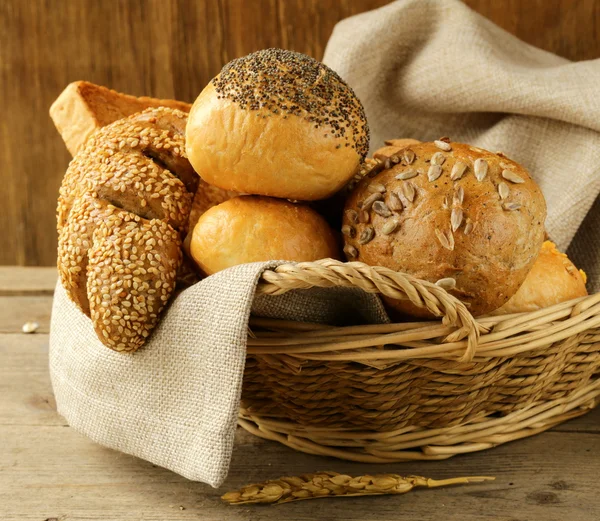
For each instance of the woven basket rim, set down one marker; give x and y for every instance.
(458, 335)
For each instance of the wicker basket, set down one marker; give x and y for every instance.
(419, 390)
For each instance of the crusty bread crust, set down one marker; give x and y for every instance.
(449, 211)
(553, 279)
(122, 211)
(83, 107)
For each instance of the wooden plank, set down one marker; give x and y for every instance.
(564, 27)
(16, 311)
(26, 397)
(50, 472)
(17, 280)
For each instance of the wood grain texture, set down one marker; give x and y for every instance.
(171, 49)
(16, 280)
(47, 470)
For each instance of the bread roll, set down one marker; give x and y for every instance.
(449, 212)
(122, 211)
(277, 123)
(553, 279)
(252, 229)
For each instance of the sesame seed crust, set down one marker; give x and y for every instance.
(123, 208)
(127, 291)
(293, 84)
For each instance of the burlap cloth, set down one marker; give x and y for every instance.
(423, 69)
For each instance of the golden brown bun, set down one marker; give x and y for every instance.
(251, 229)
(205, 198)
(84, 107)
(553, 279)
(439, 222)
(295, 130)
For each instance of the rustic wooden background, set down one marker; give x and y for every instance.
(171, 49)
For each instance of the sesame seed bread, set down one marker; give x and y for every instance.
(123, 208)
(277, 123)
(83, 107)
(252, 229)
(471, 220)
(552, 279)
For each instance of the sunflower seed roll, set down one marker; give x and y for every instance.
(467, 219)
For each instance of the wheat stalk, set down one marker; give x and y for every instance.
(332, 484)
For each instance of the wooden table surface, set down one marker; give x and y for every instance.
(49, 472)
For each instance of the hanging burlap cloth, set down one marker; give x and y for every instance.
(423, 69)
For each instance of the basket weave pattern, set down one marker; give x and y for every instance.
(420, 390)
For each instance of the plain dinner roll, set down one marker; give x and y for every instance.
(277, 123)
(468, 219)
(553, 279)
(252, 229)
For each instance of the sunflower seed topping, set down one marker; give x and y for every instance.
(408, 174)
(512, 177)
(459, 196)
(446, 202)
(442, 145)
(446, 239)
(390, 227)
(408, 190)
(352, 216)
(376, 187)
(363, 217)
(438, 158)
(394, 203)
(409, 156)
(375, 169)
(503, 190)
(434, 172)
(447, 283)
(368, 202)
(387, 164)
(366, 235)
(456, 218)
(348, 231)
(350, 251)
(458, 170)
(511, 207)
(395, 159)
(468, 227)
(380, 208)
(481, 169)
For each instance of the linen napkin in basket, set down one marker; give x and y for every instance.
(423, 69)
(431, 68)
(175, 402)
